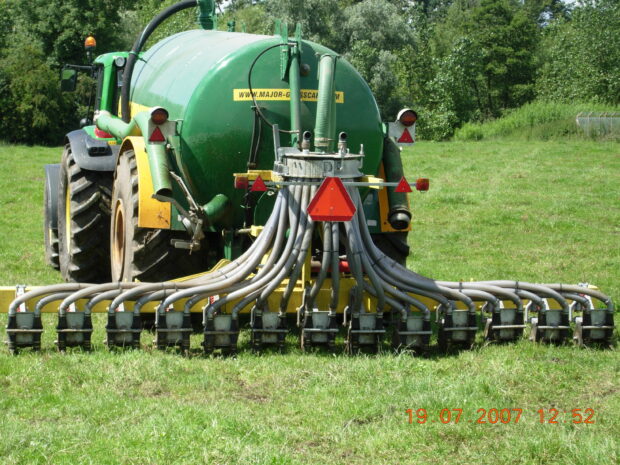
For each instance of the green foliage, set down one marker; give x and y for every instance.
(248, 18)
(43, 35)
(506, 38)
(454, 61)
(32, 108)
(581, 56)
(533, 121)
(60, 26)
(371, 34)
(321, 20)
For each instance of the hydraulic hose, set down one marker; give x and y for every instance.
(325, 263)
(137, 48)
(47, 299)
(355, 237)
(274, 254)
(402, 274)
(301, 256)
(335, 274)
(54, 289)
(270, 279)
(239, 269)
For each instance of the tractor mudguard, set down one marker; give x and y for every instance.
(52, 176)
(90, 153)
(151, 212)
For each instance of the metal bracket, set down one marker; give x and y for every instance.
(195, 216)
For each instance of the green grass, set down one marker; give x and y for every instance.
(540, 211)
(535, 121)
(21, 222)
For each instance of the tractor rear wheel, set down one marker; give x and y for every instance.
(139, 253)
(83, 210)
(394, 245)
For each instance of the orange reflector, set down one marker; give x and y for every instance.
(241, 182)
(403, 186)
(422, 184)
(157, 136)
(90, 43)
(258, 185)
(331, 202)
(405, 137)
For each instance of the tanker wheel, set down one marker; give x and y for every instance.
(83, 210)
(139, 253)
(50, 235)
(394, 245)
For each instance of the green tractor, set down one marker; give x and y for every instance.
(261, 164)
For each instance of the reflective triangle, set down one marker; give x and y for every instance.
(405, 137)
(403, 186)
(331, 202)
(258, 185)
(157, 136)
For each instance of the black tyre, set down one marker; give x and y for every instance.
(83, 211)
(394, 245)
(142, 253)
(50, 231)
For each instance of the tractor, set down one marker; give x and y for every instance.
(234, 178)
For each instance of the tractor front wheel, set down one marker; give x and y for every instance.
(50, 224)
(83, 210)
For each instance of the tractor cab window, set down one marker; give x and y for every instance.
(98, 75)
(119, 67)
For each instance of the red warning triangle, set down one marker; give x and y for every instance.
(405, 137)
(258, 185)
(331, 202)
(403, 186)
(157, 136)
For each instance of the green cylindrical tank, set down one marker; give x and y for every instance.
(201, 78)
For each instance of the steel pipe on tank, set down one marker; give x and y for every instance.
(157, 155)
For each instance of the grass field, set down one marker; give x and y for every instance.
(527, 210)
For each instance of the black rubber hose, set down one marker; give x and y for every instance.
(137, 48)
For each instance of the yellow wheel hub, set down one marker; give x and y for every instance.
(118, 236)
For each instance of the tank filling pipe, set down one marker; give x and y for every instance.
(137, 48)
(325, 111)
(293, 80)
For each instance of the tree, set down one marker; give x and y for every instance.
(507, 39)
(60, 26)
(41, 36)
(32, 108)
(580, 56)
(373, 36)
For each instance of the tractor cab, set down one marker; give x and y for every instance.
(107, 71)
